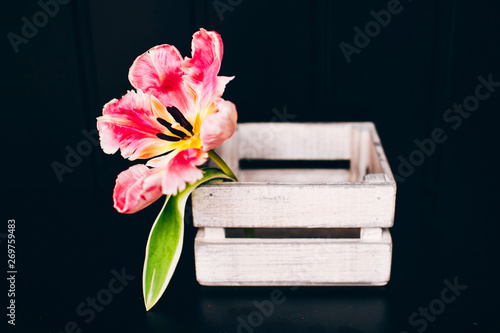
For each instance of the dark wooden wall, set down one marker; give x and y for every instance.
(284, 54)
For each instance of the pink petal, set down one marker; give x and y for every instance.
(204, 65)
(220, 84)
(130, 124)
(158, 72)
(206, 55)
(131, 194)
(220, 126)
(182, 169)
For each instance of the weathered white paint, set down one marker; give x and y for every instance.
(278, 205)
(215, 233)
(370, 233)
(294, 175)
(294, 261)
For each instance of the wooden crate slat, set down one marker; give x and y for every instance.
(233, 205)
(290, 141)
(293, 261)
(294, 175)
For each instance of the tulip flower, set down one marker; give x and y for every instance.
(173, 119)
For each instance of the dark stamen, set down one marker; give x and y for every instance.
(167, 137)
(169, 126)
(179, 117)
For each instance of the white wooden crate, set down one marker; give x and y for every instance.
(361, 197)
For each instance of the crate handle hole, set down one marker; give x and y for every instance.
(296, 233)
(254, 164)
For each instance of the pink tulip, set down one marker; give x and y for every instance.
(173, 118)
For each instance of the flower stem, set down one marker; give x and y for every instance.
(222, 165)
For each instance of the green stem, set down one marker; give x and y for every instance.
(222, 165)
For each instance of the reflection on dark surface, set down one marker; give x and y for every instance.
(293, 309)
(159, 321)
(165, 321)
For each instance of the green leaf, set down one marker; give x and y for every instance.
(165, 241)
(220, 162)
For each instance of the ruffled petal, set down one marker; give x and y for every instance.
(140, 186)
(181, 169)
(132, 193)
(221, 83)
(219, 126)
(158, 72)
(206, 56)
(130, 124)
(204, 65)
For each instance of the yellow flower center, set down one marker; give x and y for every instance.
(193, 142)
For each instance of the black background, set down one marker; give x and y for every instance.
(284, 54)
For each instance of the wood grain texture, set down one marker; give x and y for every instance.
(278, 205)
(289, 141)
(274, 262)
(294, 175)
